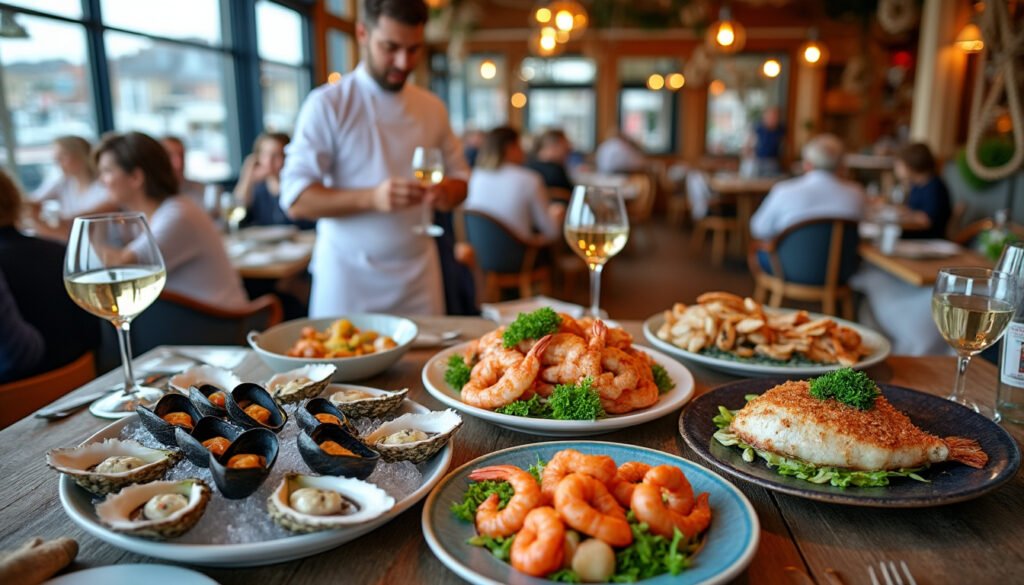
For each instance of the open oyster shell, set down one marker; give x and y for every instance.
(439, 427)
(363, 401)
(119, 511)
(300, 383)
(79, 463)
(362, 502)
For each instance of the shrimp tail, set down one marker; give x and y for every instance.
(491, 472)
(966, 451)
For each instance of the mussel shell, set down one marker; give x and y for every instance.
(259, 395)
(359, 467)
(207, 428)
(199, 395)
(306, 413)
(235, 484)
(157, 426)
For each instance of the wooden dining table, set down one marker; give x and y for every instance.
(801, 541)
(273, 266)
(919, 271)
(747, 192)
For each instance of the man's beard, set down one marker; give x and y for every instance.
(381, 77)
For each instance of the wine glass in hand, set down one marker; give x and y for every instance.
(428, 169)
(114, 270)
(972, 307)
(596, 228)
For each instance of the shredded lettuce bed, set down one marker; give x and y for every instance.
(835, 476)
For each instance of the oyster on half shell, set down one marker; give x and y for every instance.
(309, 503)
(414, 437)
(363, 401)
(301, 383)
(107, 466)
(160, 509)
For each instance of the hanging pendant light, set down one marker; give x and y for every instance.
(813, 53)
(544, 42)
(726, 35)
(568, 17)
(969, 40)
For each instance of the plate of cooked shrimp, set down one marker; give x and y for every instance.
(558, 377)
(589, 511)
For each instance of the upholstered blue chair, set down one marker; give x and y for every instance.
(505, 260)
(810, 261)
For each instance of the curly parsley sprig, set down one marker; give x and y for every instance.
(848, 386)
(531, 326)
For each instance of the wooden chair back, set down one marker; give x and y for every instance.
(21, 398)
(505, 260)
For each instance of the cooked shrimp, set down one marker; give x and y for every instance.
(644, 395)
(629, 474)
(570, 359)
(649, 508)
(676, 490)
(493, 522)
(570, 325)
(619, 338)
(490, 394)
(586, 505)
(622, 373)
(491, 341)
(539, 547)
(566, 461)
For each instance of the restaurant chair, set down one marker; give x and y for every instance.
(175, 319)
(21, 398)
(559, 195)
(505, 260)
(810, 261)
(712, 214)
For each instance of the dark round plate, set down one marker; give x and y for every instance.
(949, 482)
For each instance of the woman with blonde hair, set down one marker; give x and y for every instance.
(76, 189)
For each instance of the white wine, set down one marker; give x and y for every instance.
(970, 323)
(429, 176)
(597, 244)
(237, 213)
(116, 294)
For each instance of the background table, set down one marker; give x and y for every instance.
(919, 271)
(982, 539)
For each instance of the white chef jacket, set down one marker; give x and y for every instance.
(355, 135)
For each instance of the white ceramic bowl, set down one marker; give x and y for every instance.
(272, 345)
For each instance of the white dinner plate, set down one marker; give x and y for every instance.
(78, 505)
(433, 380)
(267, 233)
(150, 574)
(925, 249)
(879, 344)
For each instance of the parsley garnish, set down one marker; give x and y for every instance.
(531, 326)
(457, 372)
(476, 493)
(661, 378)
(848, 386)
(575, 402)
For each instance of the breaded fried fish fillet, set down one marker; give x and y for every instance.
(788, 421)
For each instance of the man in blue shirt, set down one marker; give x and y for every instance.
(768, 136)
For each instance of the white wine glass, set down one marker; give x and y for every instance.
(428, 169)
(233, 210)
(972, 307)
(114, 270)
(596, 228)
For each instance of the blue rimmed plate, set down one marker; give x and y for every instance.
(948, 482)
(731, 540)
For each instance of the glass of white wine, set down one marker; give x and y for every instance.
(114, 270)
(972, 307)
(596, 228)
(233, 210)
(428, 169)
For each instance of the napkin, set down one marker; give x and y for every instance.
(505, 313)
(37, 560)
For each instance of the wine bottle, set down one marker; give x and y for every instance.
(1010, 394)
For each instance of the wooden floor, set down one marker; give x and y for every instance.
(656, 269)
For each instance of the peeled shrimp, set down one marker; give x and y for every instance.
(539, 547)
(621, 374)
(493, 522)
(566, 461)
(676, 491)
(644, 395)
(490, 394)
(586, 505)
(629, 474)
(664, 517)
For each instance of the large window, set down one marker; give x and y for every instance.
(486, 100)
(647, 111)
(737, 95)
(561, 95)
(185, 68)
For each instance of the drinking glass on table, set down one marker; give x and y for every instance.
(972, 307)
(114, 270)
(233, 210)
(596, 228)
(428, 169)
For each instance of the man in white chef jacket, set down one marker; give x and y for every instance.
(349, 165)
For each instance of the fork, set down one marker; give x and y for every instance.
(891, 574)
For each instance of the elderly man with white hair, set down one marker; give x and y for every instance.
(818, 193)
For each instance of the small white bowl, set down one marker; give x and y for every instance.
(272, 345)
(196, 375)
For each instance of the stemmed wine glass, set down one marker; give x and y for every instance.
(972, 307)
(428, 168)
(233, 210)
(114, 270)
(596, 228)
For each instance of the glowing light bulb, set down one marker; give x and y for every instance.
(488, 70)
(675, 81)
(334, 77)
(518, 100)
(655, 82)
(564, 20)
(812, 54)
(716, 87)
(771, 68)
(726, 35)
(543, 15)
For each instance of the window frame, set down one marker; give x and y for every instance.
(673, 135)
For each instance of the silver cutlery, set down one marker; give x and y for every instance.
(69, 407)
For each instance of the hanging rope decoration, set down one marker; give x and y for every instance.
(1000, 56)
(897, 16)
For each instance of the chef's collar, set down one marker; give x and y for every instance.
(363, 77)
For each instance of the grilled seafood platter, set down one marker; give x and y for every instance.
(545, 358)
(839, 429)
(724, 324)
(568, 516)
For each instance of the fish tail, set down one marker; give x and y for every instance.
(966, 451)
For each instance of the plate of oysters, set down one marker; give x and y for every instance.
(248, 476)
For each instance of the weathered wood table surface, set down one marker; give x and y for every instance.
(980, 541)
